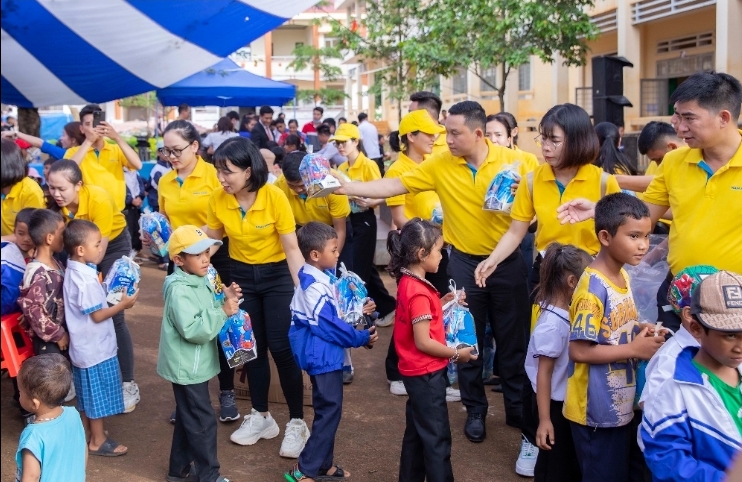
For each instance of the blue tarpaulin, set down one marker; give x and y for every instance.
(52, 125)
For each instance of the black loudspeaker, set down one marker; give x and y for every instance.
(608, 98)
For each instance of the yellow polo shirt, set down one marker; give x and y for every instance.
(96, 205)
(254, 235)
(320, 209)
(415, 205)
(440, 145)
(546, 198)
(706, 207)
(530, 158)
(363, 170)
(461, 189)
(24, 194)
(186, 201)
(105, 169)
(651, 168)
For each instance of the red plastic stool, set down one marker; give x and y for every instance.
(12, 354)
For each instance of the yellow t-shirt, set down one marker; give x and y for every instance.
(547, 197)
(651, 168)
(320, 209)
(440, 145)
(24, 194)
(187, 202)
(105, 169)
(97, 206)
(415, 205)
(706, 207)
(531, 158)
(253, 235)
(362, 170)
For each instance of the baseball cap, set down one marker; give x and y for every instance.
(717, 301)
(419, 120)
(189, 239)
(346, 131)
(682, 285)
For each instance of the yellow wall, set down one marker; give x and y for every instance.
(284, 40)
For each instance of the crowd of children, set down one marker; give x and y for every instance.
(598, 393)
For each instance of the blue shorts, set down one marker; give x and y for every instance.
(98, 389)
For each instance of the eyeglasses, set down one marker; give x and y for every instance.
(340, 143)
(167, 152)
(541, 141)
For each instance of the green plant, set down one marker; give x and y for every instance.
(142, 100)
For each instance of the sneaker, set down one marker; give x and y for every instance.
(172, 417)
(131, 396)
(71, 394)
(294, 439)
(347, 376)
(526, 459)
(398, 388)
(228, 411)
(385, 321)
(294, 475)
(253, 428)
(452, 395)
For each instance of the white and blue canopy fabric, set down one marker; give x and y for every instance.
(227, 84)
(92, 51)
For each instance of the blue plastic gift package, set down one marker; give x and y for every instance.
(122, 277)
(351, 295)
(500, 196)
(156, 228)
(238, 340)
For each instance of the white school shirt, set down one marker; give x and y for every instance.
(90, 343)
(370, 139)
(550, 338)
(661, 366)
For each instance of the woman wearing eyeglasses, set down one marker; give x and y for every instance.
(569, 146)
(183, 196)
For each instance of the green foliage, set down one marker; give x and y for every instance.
(308, 57)
(142, 100)
(325, 96)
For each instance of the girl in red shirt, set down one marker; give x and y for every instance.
(423, 355)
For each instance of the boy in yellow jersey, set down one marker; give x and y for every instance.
(461, 177)
(605, 342)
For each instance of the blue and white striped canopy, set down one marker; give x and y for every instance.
(81, 51)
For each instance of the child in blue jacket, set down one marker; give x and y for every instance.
(318, 337)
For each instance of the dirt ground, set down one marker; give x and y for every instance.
(367, 443)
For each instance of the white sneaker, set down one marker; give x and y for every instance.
(453, 395)
(131, 396)
(71, 394)
(253, 428)
(397, 388)
(385, 321)
(294, 439)
(526, 462)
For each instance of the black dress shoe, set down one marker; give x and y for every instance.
(474, 429)
(497, 388)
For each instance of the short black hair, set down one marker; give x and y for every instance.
(314, 236)
(13, 167)
(294, 140)
(329, 121)
(714, 91)
(280, 154)
(580, 142)
(293, 121)
(280, 120)
(290, 165)
(76, 233)
(89, 109)
(473, 113)
(342, 119)
(43, 222)
(427, 100)
(241, 152)
(266, 109)
(233, 115)
(362, 117)
(323, 129)
(24, 216)
(46, 378)
(652, 134)
(183, 107)
(612, 211)
(319, 109)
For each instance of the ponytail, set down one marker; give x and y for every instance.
(398, 143)
(404, 244)
(610, 158)
(560, 261)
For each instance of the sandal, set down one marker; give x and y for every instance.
(338, 474)
(294, 475)
(107, 449)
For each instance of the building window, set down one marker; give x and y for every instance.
(331, 42)
(488, 80)
(685, 43)
(584, 98)
(459, 82)
(524, 76)
(685, 66)
(655, 98)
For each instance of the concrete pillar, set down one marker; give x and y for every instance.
(729, 37)
(560, 81)
(315, 44)
(629, 47)
(268, 44)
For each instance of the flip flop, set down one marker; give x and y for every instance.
(338, 474)
(107, 449)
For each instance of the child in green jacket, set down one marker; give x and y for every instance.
(188, 356)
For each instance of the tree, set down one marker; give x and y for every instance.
(317, 59)
(480, 34)
(29, 121)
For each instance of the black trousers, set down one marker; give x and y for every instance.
(364, 247)
(504, 304)
(194, 436)
(346, 255)
(665, 314)
(560, 463)
(592, 444)
(426, 446)
(267, 290)
(132, 215)
(222, 264)
(327, 401)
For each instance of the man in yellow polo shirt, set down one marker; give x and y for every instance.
(700, 183)
(461, 178)
(96, 153)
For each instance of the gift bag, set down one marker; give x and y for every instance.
(645, 279)
(156, 228)
(315, 174)
(500, 195)
(458, 324)
(122, 277)
(238, 340)
(437, 216)
(216, 283)
(351, 295)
